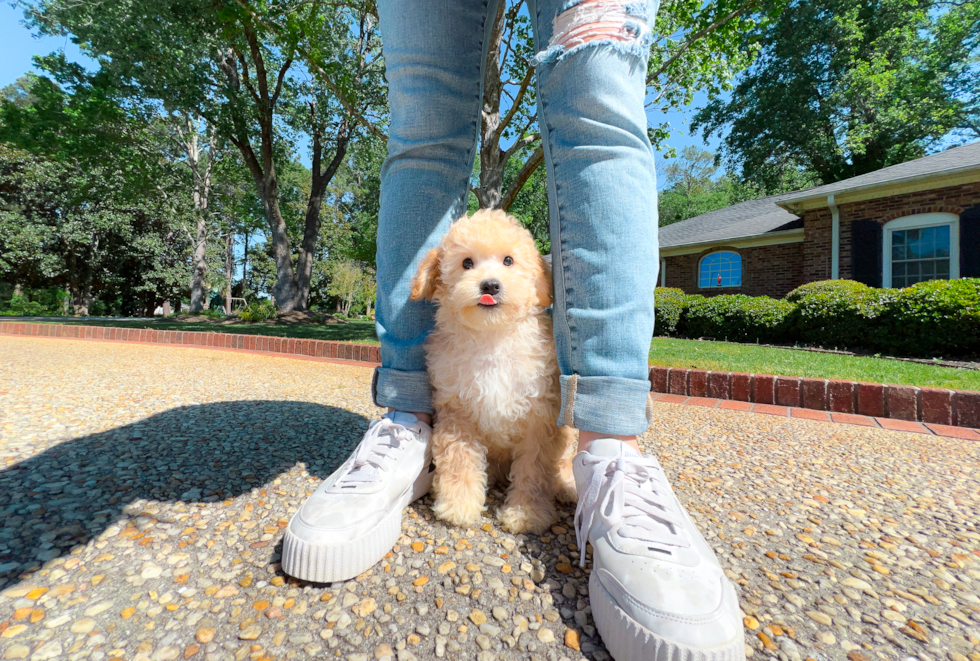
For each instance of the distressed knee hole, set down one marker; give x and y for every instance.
(618, 23)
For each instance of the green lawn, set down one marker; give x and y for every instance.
(354, 331)
(669, 352)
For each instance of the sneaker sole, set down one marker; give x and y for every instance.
(628, 640)
(327, 563)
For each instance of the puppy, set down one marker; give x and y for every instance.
(492, 365)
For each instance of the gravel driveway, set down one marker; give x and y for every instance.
(143, 493)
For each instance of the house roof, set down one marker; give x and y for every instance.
(772, 214)
(744, 219)
(950, 161)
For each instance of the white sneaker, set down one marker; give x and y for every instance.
(657, 590)
(355, 516)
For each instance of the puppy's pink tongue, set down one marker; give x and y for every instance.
(487, 299)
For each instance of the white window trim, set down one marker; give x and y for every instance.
(715, 252)
(919, 221)
(663, 272)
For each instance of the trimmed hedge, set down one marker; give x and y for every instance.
(930, 319)
(737, 318)
(669, 304)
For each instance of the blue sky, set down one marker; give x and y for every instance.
(18, 46)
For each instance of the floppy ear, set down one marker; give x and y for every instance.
(543, 287)
(426, 281)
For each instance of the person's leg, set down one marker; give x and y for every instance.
(656, 588)
(434, 53)
(602, 188)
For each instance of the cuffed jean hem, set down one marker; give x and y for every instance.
(402, 391)
(605, 404)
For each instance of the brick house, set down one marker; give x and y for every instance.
(894, 227)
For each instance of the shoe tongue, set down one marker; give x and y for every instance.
(402, 418)
(612, 447)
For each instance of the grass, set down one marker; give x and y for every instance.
(669, 352)
(354, 331)
(664, 351)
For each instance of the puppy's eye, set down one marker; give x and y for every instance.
(508, 260)
(467, 263)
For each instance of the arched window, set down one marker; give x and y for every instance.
(921, 247)
(720, 269)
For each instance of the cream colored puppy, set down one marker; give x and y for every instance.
(491, 360)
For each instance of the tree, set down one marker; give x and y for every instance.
(197, 140)
(691, 187)
(19, 91)
(237, 66)
(346, 283)
(844, 88)
(89, 196)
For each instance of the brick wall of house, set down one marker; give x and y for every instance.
(817, 223)
(766, 271)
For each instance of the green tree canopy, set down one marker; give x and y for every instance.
(842, 88)
(89, 201)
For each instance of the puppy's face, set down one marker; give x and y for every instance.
(487, 271)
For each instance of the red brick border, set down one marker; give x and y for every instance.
(363, 353)
(938, 407)
(877, 422)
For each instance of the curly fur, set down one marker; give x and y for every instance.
(495, 376)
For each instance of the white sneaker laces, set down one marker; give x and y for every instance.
(377, 453)
(644, 512)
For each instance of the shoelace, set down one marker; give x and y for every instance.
(376, 453)
(644, 512)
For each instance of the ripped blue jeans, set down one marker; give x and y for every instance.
(591, 84)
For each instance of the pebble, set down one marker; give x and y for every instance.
(17, 651)
(821, 618)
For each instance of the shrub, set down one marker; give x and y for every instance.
(258, 311)
(668, 304)
(213, 313)
(736, 318)
(36, 303)
(836, 313)
(934, 318)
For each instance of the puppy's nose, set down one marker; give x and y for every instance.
(491, 287)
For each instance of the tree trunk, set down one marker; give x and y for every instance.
(311, 230)
(199, 263)
(201, 192)
(284, 290)
(491, 156)
(81, 300)
(245, 267)
(229, 269)
(166, 308)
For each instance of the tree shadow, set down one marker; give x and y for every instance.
(69, 494)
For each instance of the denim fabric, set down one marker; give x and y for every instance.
(601, 188)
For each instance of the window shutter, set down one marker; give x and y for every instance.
(970, 242)
(866, 250)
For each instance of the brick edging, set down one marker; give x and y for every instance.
(938, 406)
(366, 353)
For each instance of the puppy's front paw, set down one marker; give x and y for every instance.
(458, 512)
(565, 490)
(522, 518)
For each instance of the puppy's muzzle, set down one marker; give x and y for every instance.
(489, 289)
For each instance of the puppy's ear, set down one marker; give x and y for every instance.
(543, 287)
(426, 281)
